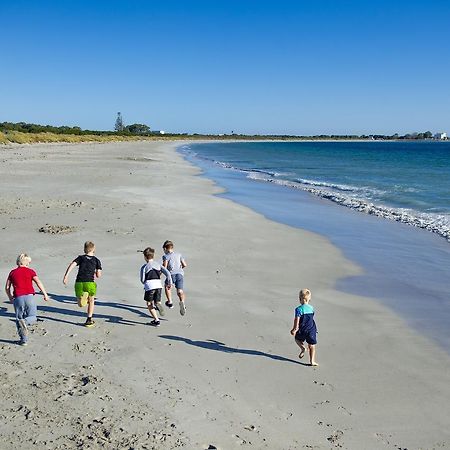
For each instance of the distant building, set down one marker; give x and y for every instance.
(158, 132)
(441, 136)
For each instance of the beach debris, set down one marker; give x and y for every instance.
(57, 229)
(136, 159)
(120, 231)
(26, 411)
(75, 204)
(335, 436)
(212, 447)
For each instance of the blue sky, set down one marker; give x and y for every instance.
(251, 66)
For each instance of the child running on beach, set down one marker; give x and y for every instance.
(21, 279)
(304, 328)
(175, 263)
(89, 268)
(151, 279)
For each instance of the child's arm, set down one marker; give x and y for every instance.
(142, 274)
(183, 263)
(167, 275)
(41, 287)
(98, 269)
(8, 290)
(295, 326)
(71, 266)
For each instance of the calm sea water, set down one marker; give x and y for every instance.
(386, 188)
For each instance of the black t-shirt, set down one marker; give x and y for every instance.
(87, 265)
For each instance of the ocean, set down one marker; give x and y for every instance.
(386, 205)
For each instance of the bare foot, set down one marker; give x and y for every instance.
(314, 364)
(302, 353)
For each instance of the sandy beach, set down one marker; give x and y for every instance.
(227, 374)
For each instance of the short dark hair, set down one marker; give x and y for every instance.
(168, 244)
(149, 253)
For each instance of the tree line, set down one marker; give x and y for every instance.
(135, 129)
(138, 129)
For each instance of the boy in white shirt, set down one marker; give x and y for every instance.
(151, 279)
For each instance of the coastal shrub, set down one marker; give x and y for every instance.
(19, 137)
(3, 138)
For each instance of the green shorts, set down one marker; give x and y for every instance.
(85, 286)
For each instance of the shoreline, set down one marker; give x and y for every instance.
(407, 261)
(432, 222)
(226, 374)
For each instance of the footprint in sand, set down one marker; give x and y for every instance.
(328, 386)
(324, 402)
(345, 410)
(380, 437)
(323, 423)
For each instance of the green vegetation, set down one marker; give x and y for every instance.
(28, 133)
(18, 137)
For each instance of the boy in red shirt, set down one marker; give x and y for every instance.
(21, 280)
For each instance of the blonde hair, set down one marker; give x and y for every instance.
(305, 295)
(88, 246)
(23, 259)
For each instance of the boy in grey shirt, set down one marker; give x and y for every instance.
(175, 263)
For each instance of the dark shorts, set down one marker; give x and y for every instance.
(177, 280)
(310, 338)
(153, 295)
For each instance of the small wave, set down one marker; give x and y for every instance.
(339, 187)
(269, 172)
(436, 223)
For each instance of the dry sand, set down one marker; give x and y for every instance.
(226, 375)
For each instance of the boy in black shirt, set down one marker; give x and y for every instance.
(89, 267)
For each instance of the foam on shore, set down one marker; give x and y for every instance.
(356, 198)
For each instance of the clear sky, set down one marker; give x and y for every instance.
(251, 66)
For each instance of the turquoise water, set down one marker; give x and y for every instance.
(405, 267)
(407, 182)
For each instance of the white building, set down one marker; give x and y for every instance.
(441, 136)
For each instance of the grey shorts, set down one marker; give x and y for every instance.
(177, 280)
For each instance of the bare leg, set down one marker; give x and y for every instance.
(181, 295)
(152, 310)
(90, 308)
(312, 354)
(302, 348)
(168, 292)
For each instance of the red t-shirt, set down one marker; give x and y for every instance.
(22, 280)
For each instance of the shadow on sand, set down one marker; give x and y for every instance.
(80, 313)
(211, 344)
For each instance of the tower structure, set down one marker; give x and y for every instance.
(119, 122)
